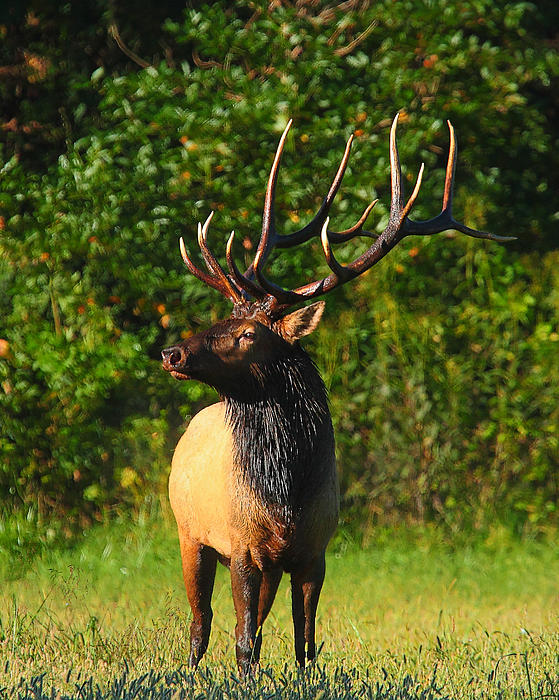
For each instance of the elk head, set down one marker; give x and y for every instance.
(232, 353)
(260, 328)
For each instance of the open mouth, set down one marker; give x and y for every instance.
(179, 375)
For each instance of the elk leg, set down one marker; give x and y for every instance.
(198, 568)
(305, 592)
(246, 580)
(268, 590)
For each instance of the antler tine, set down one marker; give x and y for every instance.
(445, 220)
(411, 201)
(230, 290)
(355, 230)
(244, 283)
(397, 196)
(339, 270)
(314, 226)
(217, 278)
(202, 276)
(269, 235)
(209, 258)
(399, 212)
(450, 170)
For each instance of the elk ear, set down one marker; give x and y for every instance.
(300, 323)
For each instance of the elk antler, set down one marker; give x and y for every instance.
(270, 238)
(239, 287)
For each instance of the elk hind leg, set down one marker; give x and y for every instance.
(305, 592)
(198, 567)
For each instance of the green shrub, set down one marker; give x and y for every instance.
(441, 362)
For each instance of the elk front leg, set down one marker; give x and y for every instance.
(268, 590)
(305, 592)
(198, 567)
(246, 579)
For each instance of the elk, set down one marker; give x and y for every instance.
(253, 481)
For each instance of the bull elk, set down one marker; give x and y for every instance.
(253, 481)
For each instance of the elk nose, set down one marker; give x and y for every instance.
(172, 356)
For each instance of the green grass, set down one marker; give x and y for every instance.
(408, 616)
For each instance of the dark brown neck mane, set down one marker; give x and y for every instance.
(280, 420)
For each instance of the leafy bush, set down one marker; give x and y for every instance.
(441, 362)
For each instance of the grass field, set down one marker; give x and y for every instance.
(408, 616)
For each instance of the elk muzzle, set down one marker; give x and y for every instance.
(175, 361)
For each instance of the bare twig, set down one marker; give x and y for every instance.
(113, 31)
(200, 63)
(345, 50)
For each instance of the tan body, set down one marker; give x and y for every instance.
(212, 506)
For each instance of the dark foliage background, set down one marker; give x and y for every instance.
(121, 129)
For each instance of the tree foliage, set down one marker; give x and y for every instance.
(441, 362)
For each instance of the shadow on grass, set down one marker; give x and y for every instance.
(184, 684)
